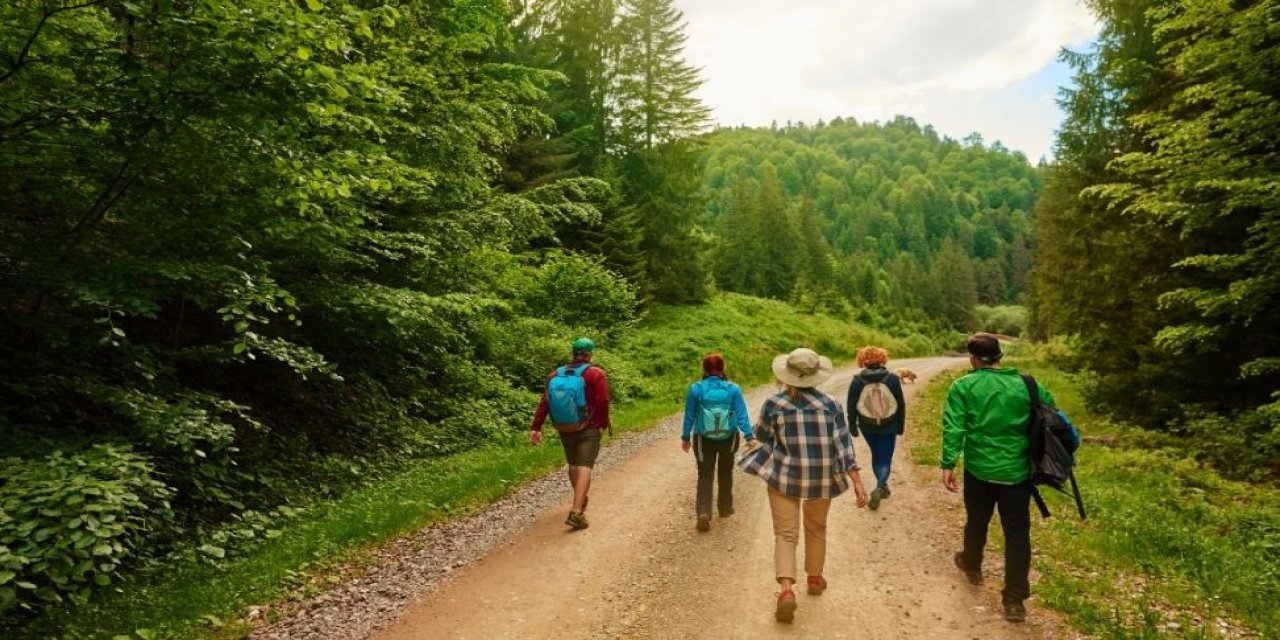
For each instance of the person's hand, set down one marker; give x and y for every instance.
(859, 491)
(535, 438)
(685, 445)
(949, 480)
(751, 443)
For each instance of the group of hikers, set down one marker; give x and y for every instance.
(801, 446)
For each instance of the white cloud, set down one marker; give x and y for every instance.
(768, 60)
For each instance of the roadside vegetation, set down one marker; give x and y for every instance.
(189, 593)
(1171, 549)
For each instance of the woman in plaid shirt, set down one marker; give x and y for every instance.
(806, 458)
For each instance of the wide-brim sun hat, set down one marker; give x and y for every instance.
(802, 368)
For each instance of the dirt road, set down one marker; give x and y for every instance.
(642, 571)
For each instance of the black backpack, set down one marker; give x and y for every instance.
(1051, 447)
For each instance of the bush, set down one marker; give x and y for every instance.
(68, 524)
(579, 291)
(1009, 320)
(1245, 446)
(524, 349)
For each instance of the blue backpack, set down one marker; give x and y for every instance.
(567, 398)
(715, 410)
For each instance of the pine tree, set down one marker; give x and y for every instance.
(784, 247)
(661, 185)
(952, 273)
(582, 38)
(655, 85)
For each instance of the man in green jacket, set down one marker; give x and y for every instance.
(985, 420)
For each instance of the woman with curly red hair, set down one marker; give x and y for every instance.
(877, 409)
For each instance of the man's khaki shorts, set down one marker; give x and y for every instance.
(582, 447)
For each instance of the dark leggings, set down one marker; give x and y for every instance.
(715, 460)
(981, 498)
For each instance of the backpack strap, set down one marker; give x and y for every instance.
(1033, 393)
(1034, 390)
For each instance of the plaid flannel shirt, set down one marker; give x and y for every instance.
(806, 449)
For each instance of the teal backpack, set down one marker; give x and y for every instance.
(715, 410)
(567, 398)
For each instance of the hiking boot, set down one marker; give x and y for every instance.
(973, 575)
(577, 520)
(704, 522)
(786, 610)
(725, 512)
(1014, 610)
(817, 584)
(876, 495)
(885, 493)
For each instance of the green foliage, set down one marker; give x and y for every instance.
(622, 113)
(263, 244)
(655, 85)
(69, 524)
(1247, 445)
(899, 222)
(578, 291)
(1159, 216)
(1010, 320)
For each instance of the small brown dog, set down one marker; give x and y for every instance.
(906, 375)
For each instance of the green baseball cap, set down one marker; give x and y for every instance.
(584, 344)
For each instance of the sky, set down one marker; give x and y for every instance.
(961, 65)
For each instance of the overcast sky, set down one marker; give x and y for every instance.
(961, 65)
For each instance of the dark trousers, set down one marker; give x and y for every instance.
(715, 459)
(981, 498)
(881, 455)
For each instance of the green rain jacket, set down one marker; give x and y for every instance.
(985, 418)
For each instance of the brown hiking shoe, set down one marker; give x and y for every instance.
(974, 576)
(704, 522)
(1015, 611)
(577, 520)
(817, 584)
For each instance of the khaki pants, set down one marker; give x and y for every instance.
(786, 533)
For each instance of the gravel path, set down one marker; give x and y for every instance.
(416, 564)
(502, 572)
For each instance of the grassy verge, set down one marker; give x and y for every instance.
(1170, 550)
(196, 599)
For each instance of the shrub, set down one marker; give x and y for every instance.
(1009, 320)
(579, 291)
(68, 524)
(1244, 446)
(524, 349)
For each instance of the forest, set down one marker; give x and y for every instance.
(1158, 226)
(884, 221)
(255, 253)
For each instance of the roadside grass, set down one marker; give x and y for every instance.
(1170, 550)
(199, 599)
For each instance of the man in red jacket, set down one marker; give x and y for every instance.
(581, 441)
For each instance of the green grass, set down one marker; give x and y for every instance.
(190, 599)
(1169, 548)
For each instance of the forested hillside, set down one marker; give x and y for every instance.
(1158, 229)
(890, 220)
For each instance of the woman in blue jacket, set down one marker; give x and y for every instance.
(714, 415)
